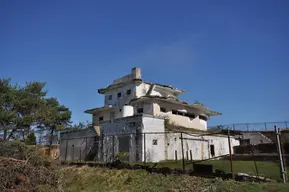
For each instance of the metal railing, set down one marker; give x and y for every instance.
(263, 126)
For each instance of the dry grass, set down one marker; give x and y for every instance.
(90, 179)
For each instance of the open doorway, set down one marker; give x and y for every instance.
(212, 150)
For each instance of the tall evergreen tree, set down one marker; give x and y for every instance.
(55, 118)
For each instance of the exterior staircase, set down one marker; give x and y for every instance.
(266, 138)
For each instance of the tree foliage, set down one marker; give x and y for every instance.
(25, 107)
(31, 139)
(55, 118)
(81, 125)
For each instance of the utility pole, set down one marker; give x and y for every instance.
(282, 169)
(230, 152)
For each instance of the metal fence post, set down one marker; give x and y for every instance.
(230, 152)
(144, 146)
(176, 156)
(183, 159)
(72, 152)
(65, 158)
(102, 148)
(113, 148)
(282, 170)
(85, 149)
(80, 159)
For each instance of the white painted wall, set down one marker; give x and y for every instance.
(124, 99)
(143, 88)
(154, 130)
(184, 121)
(198, 146)
(104, 114)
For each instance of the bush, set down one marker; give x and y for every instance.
(18, 150)
(31, 139)
(25, 168)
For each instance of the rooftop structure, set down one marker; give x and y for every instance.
(130, 95)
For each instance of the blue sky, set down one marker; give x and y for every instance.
(232, 56)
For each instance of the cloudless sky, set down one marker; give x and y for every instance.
(233, 56)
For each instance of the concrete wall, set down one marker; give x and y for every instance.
(134, 129)
(195, 147)
(153, 142)
(104, 114)
(184, 121)
(76, 145)
(122, 130)
(135, 74)
(143, 89)
(124, 99)
(143, 138)
(255, 138)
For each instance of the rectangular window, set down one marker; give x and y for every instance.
(140, 110)
(119, 95)
(110, 97)
(100, 119)
(163, 109)
(128, 92)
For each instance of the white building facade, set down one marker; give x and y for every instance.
(132, 121)
(130, 95)
(145, 139)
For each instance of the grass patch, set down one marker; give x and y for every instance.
(102, 179)
(266, 169)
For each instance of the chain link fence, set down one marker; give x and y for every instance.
(263, 126)
(202, 153)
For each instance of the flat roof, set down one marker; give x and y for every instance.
(113, 86)
(201, 107)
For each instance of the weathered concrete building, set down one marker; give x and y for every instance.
(132, 122)
(130, 95)
(142, 138)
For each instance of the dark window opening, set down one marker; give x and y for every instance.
(212, 149)
(163, 109)
(100, 118)
(244, 141)
(128, 92)
(175, 112)
(190, 115)
(110, 97)
(140, 110)
(202, 117)
(119, 110)
(155, 142)
(119, 95)
(132, 124)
